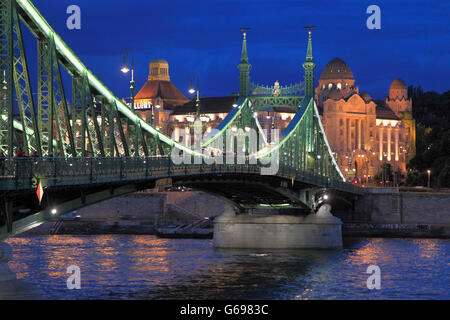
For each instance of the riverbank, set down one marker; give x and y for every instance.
(382, 212)
(94, 227)
(369, 230)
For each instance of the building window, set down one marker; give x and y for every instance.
(330, 85)
(339, 86)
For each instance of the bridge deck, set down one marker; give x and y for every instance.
(23, 173)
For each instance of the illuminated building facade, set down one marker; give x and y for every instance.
(363, 133)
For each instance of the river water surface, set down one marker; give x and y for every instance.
(146, 267)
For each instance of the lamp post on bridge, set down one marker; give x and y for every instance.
(197, 105)
(126, 53)
(125, 70)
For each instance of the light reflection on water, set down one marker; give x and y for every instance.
(146, 267)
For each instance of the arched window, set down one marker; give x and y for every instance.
(330, 85)
(339, 86)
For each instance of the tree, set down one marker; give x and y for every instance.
(432, 113)
(444, 176)
(385, 174)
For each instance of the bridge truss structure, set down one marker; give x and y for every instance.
(93, 146)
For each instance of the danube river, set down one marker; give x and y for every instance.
(146, 267)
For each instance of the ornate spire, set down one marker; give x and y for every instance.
(309, 55)
(244, 55)
(244, 67)
(309, 66)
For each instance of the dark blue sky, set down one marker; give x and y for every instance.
(203, 38)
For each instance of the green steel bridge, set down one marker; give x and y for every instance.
(94, 147)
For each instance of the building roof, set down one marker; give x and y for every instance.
(166, 90)
(336, 69)
(159, 61)
(207, 105)
(366, 96)
(398, 84)
(384, 112)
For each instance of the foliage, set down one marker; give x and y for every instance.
(432, 113)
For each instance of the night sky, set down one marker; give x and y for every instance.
(202, 38)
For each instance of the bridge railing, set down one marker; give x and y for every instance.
(24, 173)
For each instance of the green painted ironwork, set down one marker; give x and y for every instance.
(309, 67)
(6, 70)
(244, 69)
(291, 90)
(24, 93)
(54, 127)
(54, 172)
(95, 138)
(266, 102)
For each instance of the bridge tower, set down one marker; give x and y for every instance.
(309, 67)
(244, 68)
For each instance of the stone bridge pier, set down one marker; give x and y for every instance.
(314, 231)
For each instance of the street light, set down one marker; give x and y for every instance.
(191, 90)
(429, 177)
(125, 70)
(197, 105)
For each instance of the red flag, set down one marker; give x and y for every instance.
(40, 192)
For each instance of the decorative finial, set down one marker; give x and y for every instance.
(244, 31)
(309, 28)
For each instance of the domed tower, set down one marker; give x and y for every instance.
(398, 90)
(158, 96)
(399, 102)
(398, 98)
(336, 75)
(159, 70)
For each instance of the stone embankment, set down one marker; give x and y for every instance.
(388, 212)
(382, 212)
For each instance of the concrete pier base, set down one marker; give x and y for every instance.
(10, 287)
(315, 231)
